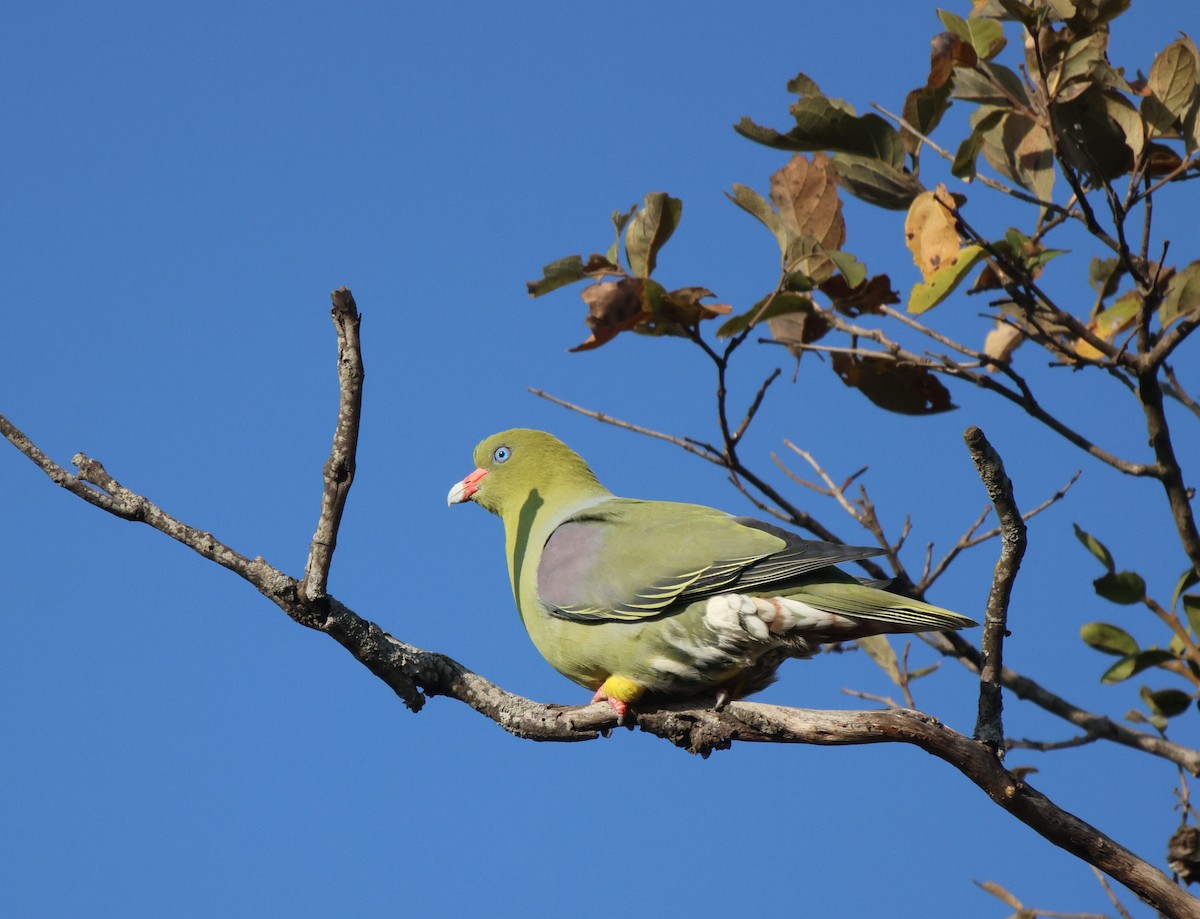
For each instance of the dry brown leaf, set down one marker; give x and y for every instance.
(806, 194)
(867, 297)
(902, 388)
(946, 52)
(684, 306)
(613, 307)
(799, 328)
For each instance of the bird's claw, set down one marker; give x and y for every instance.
(618, 706)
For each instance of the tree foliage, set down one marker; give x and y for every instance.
(1086, 147)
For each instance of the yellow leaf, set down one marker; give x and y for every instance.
(1110, 323)
(930, 231)
(943, 281)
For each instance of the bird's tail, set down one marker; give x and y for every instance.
(854, 610)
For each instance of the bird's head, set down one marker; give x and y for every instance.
(515, 466)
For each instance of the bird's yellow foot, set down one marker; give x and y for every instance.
(618, 692)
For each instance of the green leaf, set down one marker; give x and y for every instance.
(1104, 274)
(850, 268)
(777, 304)
(965, 158)
(876, 182)
(825, 124)
(798, 282)
(1096, 547)
(1135, 664)
(1019, 148)
(557, 274)
(1108, 639)
(761, 210)
(1126, 117)
(1081, 63)
(649, 230)
(1124, 587)
(923, 109)
(990, 84)
(941, 283)
(955, 23)
(619, 221)
(1173, 76)
(1166, 702)
(1191, 609)
(1183, 295)
(986, 36)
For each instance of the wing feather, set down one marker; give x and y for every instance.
(627, 560)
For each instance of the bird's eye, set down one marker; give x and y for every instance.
(501, 454)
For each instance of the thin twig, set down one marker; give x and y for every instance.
(1045, 746)
(871, 697)
(1125, 914)
(969, 541)
(755, 404)
(704, 451)
(1176, 173)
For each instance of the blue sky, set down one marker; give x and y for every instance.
(184, 185)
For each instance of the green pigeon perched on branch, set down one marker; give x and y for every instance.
(652, 598)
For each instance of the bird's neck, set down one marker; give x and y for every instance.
(527, 528)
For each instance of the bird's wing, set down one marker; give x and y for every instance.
(624, 559)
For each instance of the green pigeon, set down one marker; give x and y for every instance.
(663, 600)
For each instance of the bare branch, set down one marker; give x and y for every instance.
(969, 540)
(755, 405)
(339, 468)
(1175, 390)
(57, 474)
(989, 727)
(832, 489)
(954, 645)
(702, 450)
(415, 674)
(1170, 474)
(753, 722)
(1174, 337)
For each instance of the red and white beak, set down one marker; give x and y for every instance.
(463, 490)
